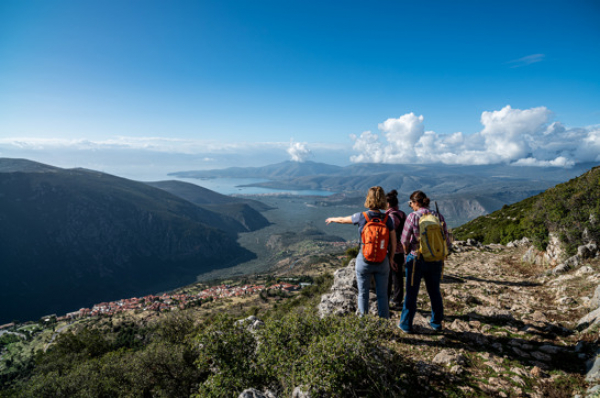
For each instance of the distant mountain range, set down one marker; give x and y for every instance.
(462, 192)
(73, 237)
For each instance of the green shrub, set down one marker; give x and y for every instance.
(351, 252)
(333, 357)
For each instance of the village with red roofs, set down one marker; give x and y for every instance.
(168, 302)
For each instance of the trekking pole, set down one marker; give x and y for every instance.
(437, 210)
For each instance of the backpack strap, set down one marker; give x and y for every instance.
(368, 219)
(366, 216)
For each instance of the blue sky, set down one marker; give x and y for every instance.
(201, 84)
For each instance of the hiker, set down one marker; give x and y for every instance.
(417, 267)
(396, 279)
(382, 250)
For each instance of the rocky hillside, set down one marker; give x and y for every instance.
(510, 330)
(70, 238)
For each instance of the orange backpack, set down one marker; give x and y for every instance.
(375, 238)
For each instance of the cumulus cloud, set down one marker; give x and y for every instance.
(298, 152)
(511, 136)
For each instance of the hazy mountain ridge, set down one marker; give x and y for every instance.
(71, 237)
(483, 189)
(283, 170)
(290, 169)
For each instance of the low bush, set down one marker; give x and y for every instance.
(330, 357)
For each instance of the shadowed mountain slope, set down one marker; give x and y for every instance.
(70, 238)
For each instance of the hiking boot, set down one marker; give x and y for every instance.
(405, 330)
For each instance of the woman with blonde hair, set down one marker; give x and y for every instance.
(374, 202)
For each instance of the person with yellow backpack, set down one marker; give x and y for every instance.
(425, 240)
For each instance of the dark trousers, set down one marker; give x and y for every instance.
(396, 281)
(431, 272)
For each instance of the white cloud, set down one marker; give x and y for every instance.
(527, 60)
(510, 136)
(148, 144)
(509, 133)
(298, 152)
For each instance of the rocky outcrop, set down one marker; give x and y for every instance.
(344, 292)
(342, 299)
(252, 323)
(555, 255)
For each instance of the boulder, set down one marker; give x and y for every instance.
(518, 243)
(447, 357)
(595, 301)
(473, 242)
(589, 320)
(554, 251)
(254, 393)
(571, 262)
(587, 251)
(586, 269)
(251, 323)
(299, 392)
(534, 256)
(593, 369)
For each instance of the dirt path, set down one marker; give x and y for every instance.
(508, 331)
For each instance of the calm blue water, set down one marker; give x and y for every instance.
(231, 186)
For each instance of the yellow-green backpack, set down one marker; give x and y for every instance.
(432, 243)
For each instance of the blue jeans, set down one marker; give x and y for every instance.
(432, 273)
(380, 272)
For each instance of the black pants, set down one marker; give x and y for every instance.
(396, 281)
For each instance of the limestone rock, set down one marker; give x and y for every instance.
(589, 320)
(534, 256)
(254, 393)
(587, 251)
(566, 301)
(481, 312)
(571, 262)
(539, 316)
(342, 299)
(584, 270)
(446, 357)
(593, 369)
(595, 301)
(536, 371)
(554, 251)
(300, 392)
(518, 243)
(459, 326)
(251, 323)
